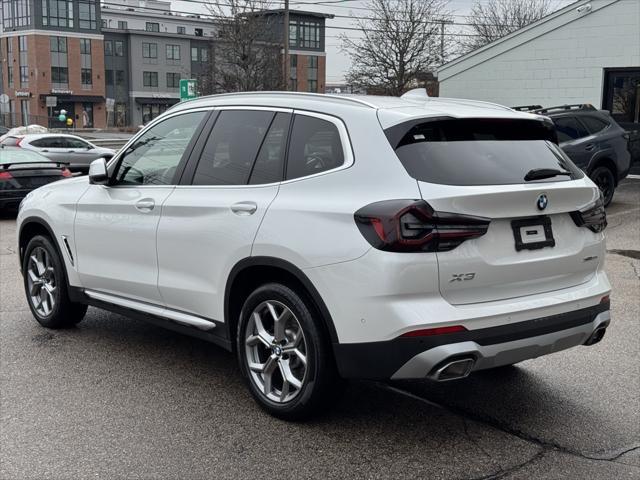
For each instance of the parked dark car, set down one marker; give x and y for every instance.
(22, 171)
(593, 140)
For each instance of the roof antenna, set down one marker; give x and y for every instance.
(416, 95)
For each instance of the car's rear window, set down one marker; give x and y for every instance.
(479, 151)
(19, 155)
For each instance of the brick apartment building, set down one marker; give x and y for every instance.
(51, 48)
(130, 54)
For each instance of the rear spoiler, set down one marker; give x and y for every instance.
(6, 166)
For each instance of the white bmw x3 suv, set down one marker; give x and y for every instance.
(322, 237)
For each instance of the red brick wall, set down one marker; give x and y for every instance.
(303, 73)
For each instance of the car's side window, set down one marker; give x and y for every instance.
(40, 143)
(315, 147)
(569, 129)
(232, 147)
(75, 143)
(593, 124)
(154, 157)
(270, 162)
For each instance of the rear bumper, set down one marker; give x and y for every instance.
(422, 357)
(11, 200)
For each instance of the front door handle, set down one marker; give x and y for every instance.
(145, 205)
(244, 208)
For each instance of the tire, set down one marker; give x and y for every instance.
(45, 286)
(605, 179)
(268, 354)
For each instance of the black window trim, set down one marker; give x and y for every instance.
(588, 130)
(578, 122)
(345, 139)
(114, 163)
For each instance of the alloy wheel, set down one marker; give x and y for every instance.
(276, 351)
(41, 281)
(604, 181)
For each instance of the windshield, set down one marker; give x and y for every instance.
(479, 151)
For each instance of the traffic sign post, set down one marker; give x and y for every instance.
(187, 89)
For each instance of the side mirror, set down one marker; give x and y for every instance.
(98, 172)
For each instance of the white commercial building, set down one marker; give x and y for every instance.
(587, 52)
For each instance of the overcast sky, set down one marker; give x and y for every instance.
(338, 61)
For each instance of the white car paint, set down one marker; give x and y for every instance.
(178, 255)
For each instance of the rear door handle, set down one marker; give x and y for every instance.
(589, 147)
(145, 205)
(244, 208)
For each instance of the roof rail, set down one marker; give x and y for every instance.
(564, 108)
(526, 108)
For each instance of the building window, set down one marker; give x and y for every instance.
(10, 60)
(312, 74)
(105, 24)
(304, 34)
(119, 48)
(149, 50)
(173, 52)
(108, 48)
(57, 13)
(87, 14)
(16, 13)
(293, 73)
(10, 76)
(122, 25)
(199, 54)
(108, 77)
(59, 66)
(85, 77)
(152, 27)
(119, 78)
(85, 46)
(198, 32)
(173, 80)
(24, 61)
(194, 54)
(182, 30)
(150, 79)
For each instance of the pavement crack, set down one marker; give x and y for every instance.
(545, 445)
(515, 468)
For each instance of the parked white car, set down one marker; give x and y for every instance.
(322, 236)
(76, 151)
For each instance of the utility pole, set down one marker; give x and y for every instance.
(287, 63)
(442, 24)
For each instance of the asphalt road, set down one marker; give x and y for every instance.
(118, 398)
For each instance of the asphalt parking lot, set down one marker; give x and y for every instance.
(118, 398)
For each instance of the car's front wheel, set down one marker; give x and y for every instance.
(283, 353)
(45, 285)
(605, 180)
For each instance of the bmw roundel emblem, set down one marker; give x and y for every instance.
(542, 202)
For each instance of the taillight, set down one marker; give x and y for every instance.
(18, 142)
(427, 332)
(592, 216)
(413, 226)
(5, 176)
(66, 172)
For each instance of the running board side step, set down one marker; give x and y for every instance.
(178, 317)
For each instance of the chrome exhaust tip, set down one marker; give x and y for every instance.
(596, 336)
(453, 370)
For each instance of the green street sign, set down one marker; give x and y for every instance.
(187, 89)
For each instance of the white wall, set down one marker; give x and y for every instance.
(564, 65)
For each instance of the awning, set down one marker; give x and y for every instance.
(73, 98)
(156, 101)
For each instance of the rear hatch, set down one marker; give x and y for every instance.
(478, 167)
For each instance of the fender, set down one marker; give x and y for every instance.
(47, 227)
(291, 269)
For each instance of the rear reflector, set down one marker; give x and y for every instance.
(66, 172)
(604, 299)
(427, 332)
(5, 176)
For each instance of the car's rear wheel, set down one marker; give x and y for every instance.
(45, 285)
(605, 180)
(283, 353)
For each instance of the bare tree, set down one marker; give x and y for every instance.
(246, 55)
(493, 19)
(400, 42)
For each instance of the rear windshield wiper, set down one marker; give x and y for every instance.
(540, 173)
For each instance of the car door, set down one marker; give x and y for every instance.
(574, 140)
(115, 225)
(80, 153)
(210, 220)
